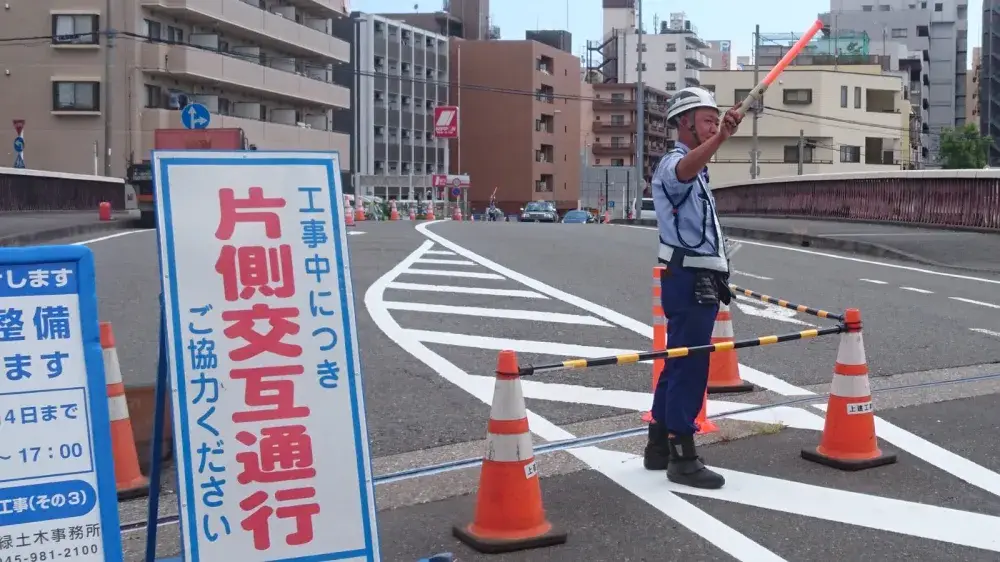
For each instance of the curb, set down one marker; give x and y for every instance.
(42, 236)
(824, 243)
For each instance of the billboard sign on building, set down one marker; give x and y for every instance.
(446, 122)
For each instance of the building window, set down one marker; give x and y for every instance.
(175, 34)
(866, 8)
(671, 86)
(740, 95)
(923, 31)
(643, 47)
(792, 154)
(857, 97)
(670, 66)
(938, 7)
(76, 96)
(884, 7)
(850, 153)
(671, 47)
(899, 32)
(75, 29)
(152, 30)
(709, 87)
(154, 96)
(618, 162)
(643, 66)
(617, 119)
(843, 96)
(797, 97)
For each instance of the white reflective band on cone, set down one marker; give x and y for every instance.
(112, 369)
(509, 448)
(851, 350)
(508, 401)
(723, 329)
(117, 408)
(848, 386)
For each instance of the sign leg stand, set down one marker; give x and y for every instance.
(156, 455)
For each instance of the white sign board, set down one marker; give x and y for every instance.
(57, 485)
(269, 417)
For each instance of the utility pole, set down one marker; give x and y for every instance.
(802, 149)
(640, 95)
(755, 149)
(109, 43)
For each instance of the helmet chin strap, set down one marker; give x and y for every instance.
(694, 133)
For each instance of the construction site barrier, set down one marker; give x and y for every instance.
(786, 304)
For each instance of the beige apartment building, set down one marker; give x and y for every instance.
(611, 127)
(852, 119)
(277, 69)
(972, 88)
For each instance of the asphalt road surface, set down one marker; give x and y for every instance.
(437, 301)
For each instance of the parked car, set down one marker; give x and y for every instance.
(578, 217)
(646, 211)
(539, 211)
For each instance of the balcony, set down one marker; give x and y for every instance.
(240, 18)
(208, 66)
(614, 128)
(266, 135)
(657, 131)
(329, 8)
(697, 58)
(657, 109)
(614, 149)
(692, 75)
(613, 105)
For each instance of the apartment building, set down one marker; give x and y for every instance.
(463, 19)
(278, 70)
(938, 30)
(612, 134)
(989, 79)
(719, 53)
(972, 87)
(520, 123)
(402, 76)
(851, 119)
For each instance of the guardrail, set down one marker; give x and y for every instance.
(40, 190)
(943, 198)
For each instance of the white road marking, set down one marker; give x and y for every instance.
(535, 315)
(970, 301)
(446, 262)
(916, 290)
(878, 235)
(355, 232)
(110, 236)
(986, 332)
(752, 276)
(697, 521)
(856, 260)
(440, 252)
(874, 281)
(448, 273)
(667, 501)
(520, 346)
(754, 307)
(399, 285)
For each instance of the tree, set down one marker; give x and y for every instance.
(963, 148)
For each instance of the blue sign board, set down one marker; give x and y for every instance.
(456, 192)
(57, 483)
(223, 399)
(611, 204)
(19, 144)
(195, 116)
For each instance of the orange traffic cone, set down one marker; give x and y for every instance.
(456, 215)
(849, 441)
(429, 215)
(724, 366)
(509, 514)
(393, 212)
(348, 215)
(659, 333)
(413, 214)
(704, 424)
(128, 478)
(359, 213)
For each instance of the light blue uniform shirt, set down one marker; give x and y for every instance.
(686, 216)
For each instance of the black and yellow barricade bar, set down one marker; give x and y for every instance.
(630, 358)
(736, 289)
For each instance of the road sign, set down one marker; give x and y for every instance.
(456, 192)
(278, 353)
(18, 126)
(58, 473)
(611, 204)
(18, 144)
(446, 122)
(195, 116)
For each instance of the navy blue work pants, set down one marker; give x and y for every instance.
(681, 388)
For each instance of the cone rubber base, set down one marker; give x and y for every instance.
(706, 427)
(498, 546)
(647, 417)
(135, 489)
(851, 465)
(731, 389)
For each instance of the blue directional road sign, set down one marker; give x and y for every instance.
(611, 204)
(19, 144)
(195, 116)
(456, 191)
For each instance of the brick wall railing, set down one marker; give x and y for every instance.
(39, 190)
(959, 198)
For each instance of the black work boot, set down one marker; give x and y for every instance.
(686, 467)
(657, 453)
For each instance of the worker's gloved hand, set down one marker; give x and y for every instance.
(705, 291)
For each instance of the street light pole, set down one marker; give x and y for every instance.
(640, 94)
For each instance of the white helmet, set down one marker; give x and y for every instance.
(688, 99)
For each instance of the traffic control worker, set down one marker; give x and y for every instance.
(692, 248)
